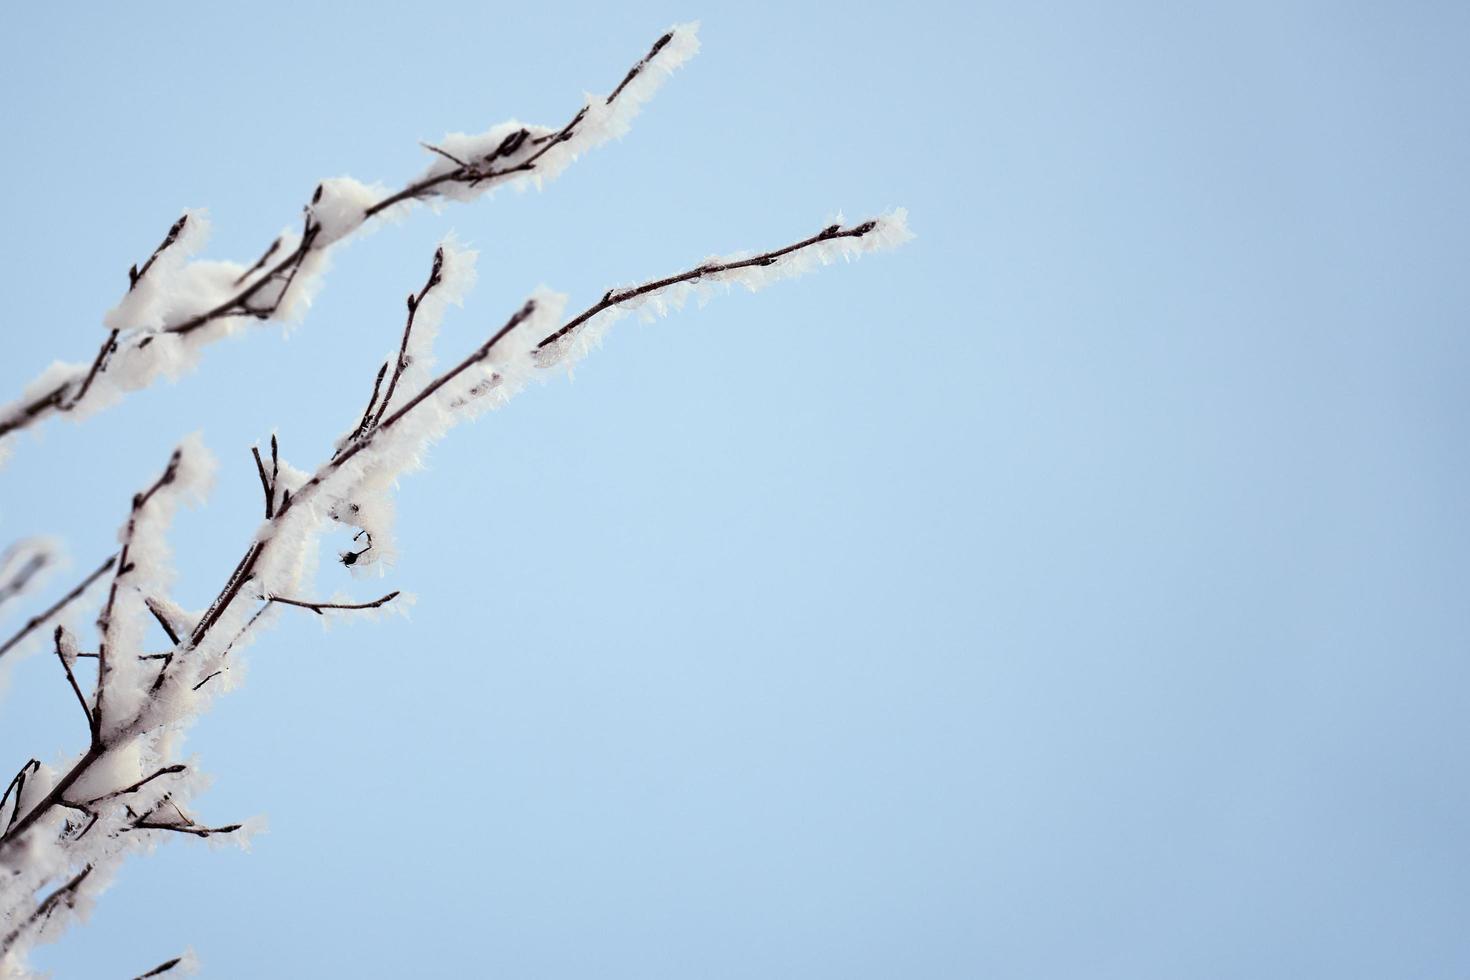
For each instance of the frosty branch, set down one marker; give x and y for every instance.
(174, 307)
(65, 829)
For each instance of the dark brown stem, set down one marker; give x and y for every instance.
(161, 968)
(636, 69)
(18, 786)
(474, 174)
(72, 678)
(413, 306)
(319, 607)
(265, 483)
(135, 274)
(367, 414)
(165, 771)
(104, 620)
(259, 263)
(190, 828)
(98, 363)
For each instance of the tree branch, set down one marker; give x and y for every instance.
(265, 482)
(615, 297)
(413, 306)
(104, 620)
(65, 894)
(65, 395)
(71, 678)
(161, 968)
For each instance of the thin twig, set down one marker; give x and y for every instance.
(18, 787)
(104, 619)
(72, 678)
(319, 607)
(161, 968)
(169, 628)
(165, 771)
(136, 274)
(265, 483)
(413, 306)
(57, 606)
(66, 893)
(56, 400)
(613, 297)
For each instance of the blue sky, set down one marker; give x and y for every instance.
(1077, 591)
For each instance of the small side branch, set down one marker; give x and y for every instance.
(99, 364)
(413, 305)
(169, 627)
(265, 484)
(320, 607)
(18, 787)
(180, 822)
(165, 771)
(135, 274)
(65, 895)
(71, 678)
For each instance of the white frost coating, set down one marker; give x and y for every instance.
(188, 962)
(889, 231)
(172, 291)
(341, 207)
(146, 710)
(149, 572)
(605, 122)
(472, 148)
(358, 492)
(600, 123)
(144, 305)
(456, 278)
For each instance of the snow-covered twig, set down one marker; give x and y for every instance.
(174, 307)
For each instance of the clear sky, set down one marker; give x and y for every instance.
(1079, 591)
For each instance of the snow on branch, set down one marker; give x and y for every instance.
(175, 306)
(65, 828)
(73, 823)
(754, 271)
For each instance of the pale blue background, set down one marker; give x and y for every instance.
(1079, 592)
